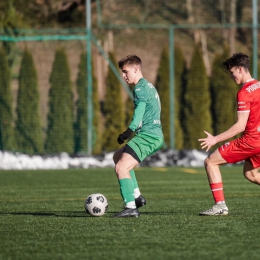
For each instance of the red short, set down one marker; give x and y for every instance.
(238, 150)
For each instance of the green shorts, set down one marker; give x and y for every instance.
(144, 144)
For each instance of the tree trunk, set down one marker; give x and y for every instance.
(205, 53)
(191, 20)
(232, 34)
(223, 19)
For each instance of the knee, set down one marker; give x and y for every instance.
(207, 162)
(250, 175)
(119, 168)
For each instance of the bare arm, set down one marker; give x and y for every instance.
(237, 128)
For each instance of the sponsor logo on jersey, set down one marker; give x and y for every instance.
(253, 87)
(138, 89)
(150, 85)
(258, 129)
(157, 121)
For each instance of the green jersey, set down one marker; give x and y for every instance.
(147, 113)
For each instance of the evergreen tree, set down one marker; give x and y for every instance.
(163, 87)
(179, 62)
(97, 134)
(197, 116)
(7, 141)
(223, 91)
(60, 135)
(81, 125)
(28, 126)
(113, 110)
(258, 68)
(10, 21)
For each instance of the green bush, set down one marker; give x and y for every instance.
(81, 125)
(7, 141)
(224, 92)
(179, 68)
(163, 87)
(197, 116)
(113, 110)
(60, 134)
(28, 131)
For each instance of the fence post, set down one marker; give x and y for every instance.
(255, 38)
(89, 75)
(172, 70)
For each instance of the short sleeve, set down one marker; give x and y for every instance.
(243, 102)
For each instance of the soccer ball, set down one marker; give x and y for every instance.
(96, 204)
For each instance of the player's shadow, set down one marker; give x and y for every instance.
(149, 213)
(60, 214)
(157, 213)
(74, 214)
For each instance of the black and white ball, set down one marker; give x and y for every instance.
(96, 204)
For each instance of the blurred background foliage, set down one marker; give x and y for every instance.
(121, 28)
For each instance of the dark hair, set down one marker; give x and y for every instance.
(237, 60)
(130, 59)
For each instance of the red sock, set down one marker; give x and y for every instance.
(217, 191)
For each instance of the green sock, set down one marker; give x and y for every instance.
(132, 173)
(137, 192)
(127, 191)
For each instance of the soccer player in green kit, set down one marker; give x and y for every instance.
(148, 139)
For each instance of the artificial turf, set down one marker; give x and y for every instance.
(42, 216)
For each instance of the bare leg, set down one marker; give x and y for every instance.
(118, 154)
(124, 165)
(252, 174)
(212, 164)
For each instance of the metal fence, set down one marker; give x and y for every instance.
(140, 27)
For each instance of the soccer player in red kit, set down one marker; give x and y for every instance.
(246, 147)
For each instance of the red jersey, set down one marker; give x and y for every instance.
(248, 100)
(246, 147)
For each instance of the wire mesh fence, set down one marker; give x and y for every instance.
(123, 27)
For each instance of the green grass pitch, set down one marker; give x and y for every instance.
(42, 216)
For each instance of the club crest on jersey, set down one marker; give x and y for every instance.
(225, 145)
(258, 129)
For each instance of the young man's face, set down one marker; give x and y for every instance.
(129, 73)
(236, 75)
